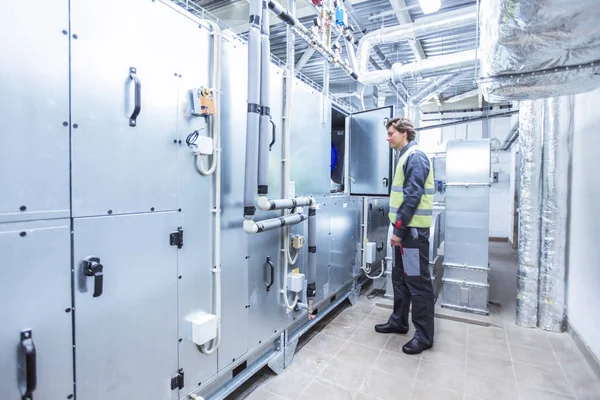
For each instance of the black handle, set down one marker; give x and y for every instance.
(272, 273)
(381, 210)
(138, 96)
(274, 135)
(380, 248)
(386, 182)
(30, 364)
(385, 121)
(92, 267)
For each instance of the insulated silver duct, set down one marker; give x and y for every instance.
(253, 117)
(437, 23)
(437, 86)
(520, 38)
(531, 116)
(558, 135)
(448, 64)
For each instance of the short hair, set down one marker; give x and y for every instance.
(403, 125)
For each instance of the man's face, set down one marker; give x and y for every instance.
(396, 139)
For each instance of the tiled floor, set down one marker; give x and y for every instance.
(348, 360)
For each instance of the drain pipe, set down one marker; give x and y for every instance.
(253, 117)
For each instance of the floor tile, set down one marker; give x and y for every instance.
(450, 325)
(585, 388)
(424, 391)
(372, 320)
(488, 347)
(489, 388)
(449, 337)
(527, 337)
(535, 393)
(346, 374)
(399, 364)
(325, 344)
(395, 343)
(369, 337)
(288, 385)
(339, 330)
(548, 378)
(442, 376)
(490, 366)
(325, 390)
(262, 395)
(542, 358)
(561, 342)
(381, 312)
(362, 396)
(446, 354)
(361, 308)
(351, 318)
(357, 353)
(574, 365)
(386, 386)
(487, 332)
(308, 360)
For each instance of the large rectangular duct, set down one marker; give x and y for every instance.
(536, 49)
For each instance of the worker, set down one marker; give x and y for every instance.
(411, 209)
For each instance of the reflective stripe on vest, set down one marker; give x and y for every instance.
(423, 214)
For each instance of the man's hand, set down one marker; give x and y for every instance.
(396, 241)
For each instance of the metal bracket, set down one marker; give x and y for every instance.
(176, 238)
(177, 382)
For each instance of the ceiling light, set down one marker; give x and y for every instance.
(430, 6)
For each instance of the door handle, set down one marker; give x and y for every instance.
(272, 266)
(30, 364)
(386, 182)
(274, 134)
(385, 121)
(138, 96)
(92, 267)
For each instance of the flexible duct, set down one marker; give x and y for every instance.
(448, 64)
(253, 116)
(436, 87)
(558, 135)
(265, 106)
(437, 23)
(525, 47)
(531, 118)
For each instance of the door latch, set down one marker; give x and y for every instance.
(92, 267)
(385, 182)
(177, 382)
(176, 238)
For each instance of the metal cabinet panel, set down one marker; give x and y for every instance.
(126, 339)
(378, 225)
(116, 166)
(34, 106)
(370, 155)
(195, 199)
(323, 250)
(234, 340)
(310, 142)
(35, 293)
(344, 226)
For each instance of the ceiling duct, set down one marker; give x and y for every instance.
(536, 49)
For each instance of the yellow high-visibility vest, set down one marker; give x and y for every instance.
(424, 212)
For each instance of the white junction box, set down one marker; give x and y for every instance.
(297, 241)
(371, 251)
(295, 282)
(201, 328)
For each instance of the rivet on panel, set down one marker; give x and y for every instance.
(75, 126)
(65, 32)
(23, 208)
(23, 234)
(179, 276)
(68, 310)
(70, 396)
(152, 209)
(109, 212)
(75, 36)
(65, 123)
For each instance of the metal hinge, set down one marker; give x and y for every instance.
(176, 238)
(177, 380)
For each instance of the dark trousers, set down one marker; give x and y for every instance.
(411, 281)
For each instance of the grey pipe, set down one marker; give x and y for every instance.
(265, 104)
(253, 117)
(350, 11)
(311, 275)
(275, 223)
(281, 204)
(531, 116)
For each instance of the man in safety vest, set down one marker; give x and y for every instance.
(411, 209)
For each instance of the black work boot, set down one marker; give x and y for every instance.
(415, 347)
(388, 328)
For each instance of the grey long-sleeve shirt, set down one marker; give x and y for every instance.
(416, 170)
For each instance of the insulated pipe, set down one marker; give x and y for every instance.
(265, 104)
(311, 272)
(273, 223)
(308, 37)
(437, 86)
(451, 63)
(267, 205)
(351, 54)
(253, 117)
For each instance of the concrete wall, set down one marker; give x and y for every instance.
(584, 271)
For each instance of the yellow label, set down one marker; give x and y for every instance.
(296, 271)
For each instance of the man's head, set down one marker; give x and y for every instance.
(400, 132)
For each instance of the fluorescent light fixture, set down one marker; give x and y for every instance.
(430, 6)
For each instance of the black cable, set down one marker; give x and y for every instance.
(371, 296)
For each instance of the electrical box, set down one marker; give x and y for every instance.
(295, 282)
(204, 145)
(201, 328)
(201, 102)
(371, 251)
(297, 241)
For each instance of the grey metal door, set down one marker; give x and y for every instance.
(370, 155)
(126, 319)
(35, 297)
(122, 163)
(34, 110)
